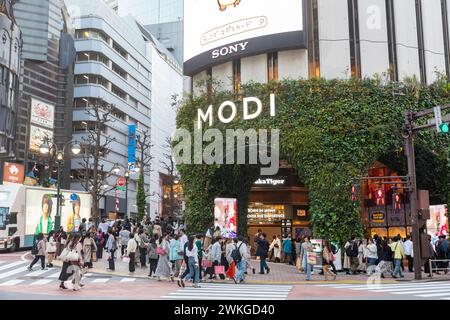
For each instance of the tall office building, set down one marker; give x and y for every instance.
(119, 63)
(10, 48)
(46, 83)
(163, 18)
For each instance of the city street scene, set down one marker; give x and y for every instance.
(216, 150)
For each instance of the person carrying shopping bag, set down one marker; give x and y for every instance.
(51, 249)
(327, 259)
(306, 253)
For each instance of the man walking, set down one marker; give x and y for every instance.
(131, 252)
(111, 249)
(351, 249)
(241, 259)
(399, 254)
(409, 253)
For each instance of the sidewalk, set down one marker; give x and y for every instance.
(280, 273)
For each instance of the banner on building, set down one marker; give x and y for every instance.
(131, 147)
(13, 173)
(42, 113)
(37, 136)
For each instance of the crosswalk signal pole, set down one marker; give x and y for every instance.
(412, 188)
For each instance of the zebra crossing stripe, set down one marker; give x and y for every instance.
(412, 289)
(11, 283)
(37, 273)
(447, 293)
(128, 280)
(54, 275)
(12, 265)
(100, 280)
(11, 273)
(41, 282)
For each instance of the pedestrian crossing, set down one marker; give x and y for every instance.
(210, 291)
(14, 273)
(427, 290)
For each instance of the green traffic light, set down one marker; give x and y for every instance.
(444, 128)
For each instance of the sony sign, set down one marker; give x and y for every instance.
(227, 50)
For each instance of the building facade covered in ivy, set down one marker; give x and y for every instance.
(402, 46)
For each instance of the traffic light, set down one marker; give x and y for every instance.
(396, 201)
(355, 192)
(441, 127)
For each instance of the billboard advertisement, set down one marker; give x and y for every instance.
(437, 225)
(131, 146)
(225, 216)
(241, 27)
(13, 173)
(41, 210)
(42, 113)
(37, 137)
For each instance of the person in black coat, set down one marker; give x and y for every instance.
(263, 252)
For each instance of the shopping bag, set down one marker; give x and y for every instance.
(298, 264)
(94, 256)
(219, 269)
(126, 259)
(207, 263)
(312, 258)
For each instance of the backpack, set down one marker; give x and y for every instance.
(152, 251)
(34, 249)
(352, 250)
(236, 254)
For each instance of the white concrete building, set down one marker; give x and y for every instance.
(115, 66)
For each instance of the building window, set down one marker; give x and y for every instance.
(355, 51)
(91, 34)
(119, 71)
(420, 41)
(392, 42)
(119, 92)
(313, 35)
(237, 75)
(91, 79)
(272, 66)
(119, 50)
(92, 56)
(446, 36)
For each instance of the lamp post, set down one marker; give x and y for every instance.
(45, 148)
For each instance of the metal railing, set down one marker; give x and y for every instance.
(438, 269)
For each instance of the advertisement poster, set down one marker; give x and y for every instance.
(228, 28)
(131, 147)
(41, 210)
(13, 173)
(437, 225)
(225, 216)
(42, 113)
(37, 137)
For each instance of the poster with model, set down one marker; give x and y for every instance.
(437, 225)
(41, 210)
(225, 216)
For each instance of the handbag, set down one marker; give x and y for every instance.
(94, 256)
(126, 259)
(219, 270)
(72, 256)
(63, 255)
(207, 263)
(160, 251)
(312, 258)
(51, 248)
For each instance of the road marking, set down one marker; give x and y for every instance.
(100, 281)
(447, 293)
(11, 273)
(37, 273)
(12, 265)
(54, 275)
(128, 280)
(41, 282)
(11, 283)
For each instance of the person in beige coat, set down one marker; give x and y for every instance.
(89, 248)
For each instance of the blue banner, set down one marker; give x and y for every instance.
(131, 145)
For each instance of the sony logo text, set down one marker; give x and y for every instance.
(224, 51)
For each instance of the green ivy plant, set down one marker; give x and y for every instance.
(331, 131)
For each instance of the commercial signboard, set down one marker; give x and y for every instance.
(437, 225)
(225, 216)
(37, 136)
(42, 113)
(228, 29)
(13, 173)
(131, 146)
(41, 210)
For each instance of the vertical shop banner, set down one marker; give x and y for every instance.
(225, 216)
(131, 146)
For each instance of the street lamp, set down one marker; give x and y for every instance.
(45, 148)
(116, 168)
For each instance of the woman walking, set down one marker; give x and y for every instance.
(39, 249)
(132, 247)
(152, 256)
(192, 254)
(216, 254)
(51, 248)
(72, 263)
(327, 259)
(385, 256)
(276, 247)
(60, 238)
(100, 243)
(163, 269)
(371, 256)
(306, 248)
(89, 248)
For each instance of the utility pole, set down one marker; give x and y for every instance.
(408, 134)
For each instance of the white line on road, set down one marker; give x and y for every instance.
(435, 294)
(37, 273)
(41, 282)
(54, 275)
(11, 283)
(10, 273)
(12, 265)
(128, 280)
(100, 280)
